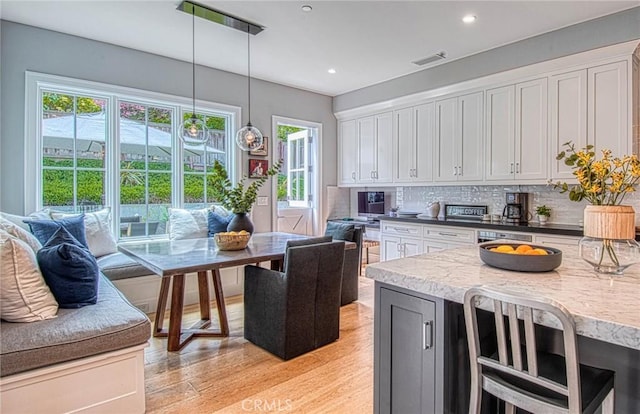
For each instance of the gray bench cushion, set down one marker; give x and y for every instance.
(111, 324)
(117, 266)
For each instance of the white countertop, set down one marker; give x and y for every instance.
(605, 307)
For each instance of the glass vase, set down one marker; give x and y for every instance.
(609, 256)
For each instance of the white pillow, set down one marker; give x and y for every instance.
(20, 233)
(24, 295)
(97, 229)
(188, 224)
(19, 220)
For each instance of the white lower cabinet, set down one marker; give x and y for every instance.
(404, 240)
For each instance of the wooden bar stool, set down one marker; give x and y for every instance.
(520, 375)
(367, 244)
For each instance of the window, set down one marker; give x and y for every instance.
(297, 168)
(94, 145)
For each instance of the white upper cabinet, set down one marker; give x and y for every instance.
(370, 160)
(458, 138)
(413, 144)
(367, 150)
(348, 153)
(567, 117)
(516, 133)
(607, 108)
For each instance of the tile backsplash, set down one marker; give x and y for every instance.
(563, 211)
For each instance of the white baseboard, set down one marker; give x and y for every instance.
(143, 291)
(107, 383)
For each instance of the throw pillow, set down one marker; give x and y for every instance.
(217, 223)
(44, 229)
(19, 220)
(97, 229)
(24, 295)
(340, 231)
(20, 233)
(70, 270)
(188, 224)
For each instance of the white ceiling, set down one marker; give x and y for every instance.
(367, 42)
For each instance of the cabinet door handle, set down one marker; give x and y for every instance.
(353, 175)
(511, 168)
(401, 229)
(459, 169)
(427, 335)
(455, 170)
(371, 174)
(517, 168)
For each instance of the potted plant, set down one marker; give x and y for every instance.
(609, 227)
(237, 198)
(543, 213)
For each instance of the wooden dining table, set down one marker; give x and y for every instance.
(173, 259)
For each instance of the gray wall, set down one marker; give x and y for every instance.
(605, 31)
(26, 48)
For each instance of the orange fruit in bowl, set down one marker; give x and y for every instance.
(504, 248)
(532, 252)
(541, 252)
(523, 248)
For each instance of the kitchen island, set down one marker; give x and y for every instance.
(421, 362)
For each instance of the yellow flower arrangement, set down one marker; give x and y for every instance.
(601, 182)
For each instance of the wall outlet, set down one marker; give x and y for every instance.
(263, 201)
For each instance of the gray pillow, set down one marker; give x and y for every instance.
(340, 231)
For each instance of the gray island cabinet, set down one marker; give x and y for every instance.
(421, 361)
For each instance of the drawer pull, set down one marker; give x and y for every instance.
(448, 234)
(401, 229)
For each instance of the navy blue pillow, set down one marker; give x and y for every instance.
(44, 229)
(217, 223)
(70, 270)
(340, 231)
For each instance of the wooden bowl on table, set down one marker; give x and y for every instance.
(232, 240)
(496, 254)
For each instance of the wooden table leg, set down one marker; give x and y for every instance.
(175, 317)
(161, 306)
(205, 305)
(222, 311)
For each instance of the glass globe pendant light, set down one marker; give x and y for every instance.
(249, 138)
(193, 131)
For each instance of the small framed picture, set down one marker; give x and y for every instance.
(258, 168)
(263, 150)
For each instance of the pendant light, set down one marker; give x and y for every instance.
(193, 131)
(249, 138)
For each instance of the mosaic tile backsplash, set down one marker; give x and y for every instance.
(415, 199)
(562, 209)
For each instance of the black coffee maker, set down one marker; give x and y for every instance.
(517, 209)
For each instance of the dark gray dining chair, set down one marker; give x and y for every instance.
(352, 258)
(295, 311)
(518, 373)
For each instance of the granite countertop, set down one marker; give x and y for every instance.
(605, 308)
(549, 228)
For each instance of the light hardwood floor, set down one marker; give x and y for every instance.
(232, 375)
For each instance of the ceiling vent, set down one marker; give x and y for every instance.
(430, 59)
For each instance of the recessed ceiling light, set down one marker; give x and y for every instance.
(306, 8)
(469, 18)
(332, 71)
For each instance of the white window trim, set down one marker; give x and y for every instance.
(36, 82)
(317, 203)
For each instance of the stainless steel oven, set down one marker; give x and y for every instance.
(488, 235)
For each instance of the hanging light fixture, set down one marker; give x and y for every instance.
(249, 138)
(193, 131)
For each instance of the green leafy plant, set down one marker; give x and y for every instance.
(238, 198)
(543, 211)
